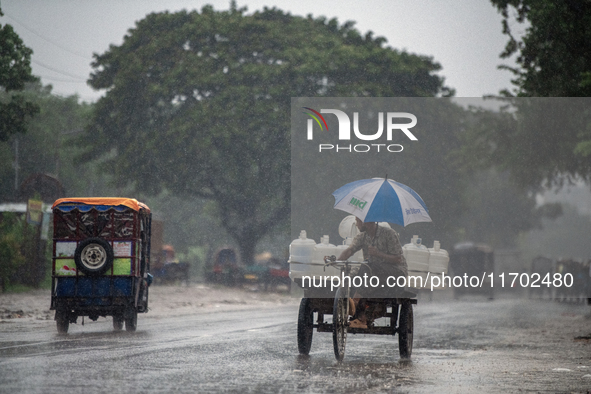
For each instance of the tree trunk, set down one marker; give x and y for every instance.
(247, 247)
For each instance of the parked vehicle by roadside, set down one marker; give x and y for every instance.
(167, 269)
(473, 259)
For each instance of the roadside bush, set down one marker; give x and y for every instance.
(12, 236)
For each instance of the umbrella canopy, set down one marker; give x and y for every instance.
(381, 200)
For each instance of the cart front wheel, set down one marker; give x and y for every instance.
(305, 326)
(405, 330)
(340, 317)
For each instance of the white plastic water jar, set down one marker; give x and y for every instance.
(322, 249)
(301, 251)
(417, 259)
(438, 259)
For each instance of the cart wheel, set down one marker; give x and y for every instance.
(305, 326)
(63, 322)
(131, 320)
(118, 322)
(340, 323)
(405, 331)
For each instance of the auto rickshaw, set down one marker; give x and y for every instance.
(101, 260)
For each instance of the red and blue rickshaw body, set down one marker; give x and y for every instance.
(101, 259)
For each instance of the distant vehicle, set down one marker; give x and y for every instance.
(225, 269)
(267, 272)
(542, 266)
(167, 269)
(279, 273)
(473, 259)
(101, 260)
(575, 284)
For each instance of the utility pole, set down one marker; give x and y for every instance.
(16, 168)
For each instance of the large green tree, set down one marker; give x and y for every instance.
(198, 103)
(15, 71)
(554, 53)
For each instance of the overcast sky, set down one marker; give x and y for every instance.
(464, 36)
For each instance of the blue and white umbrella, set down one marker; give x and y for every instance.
(381, 200)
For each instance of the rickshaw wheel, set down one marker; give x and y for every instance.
(118, 322)
(93, 256)
(340, 323)
(405, 330)
(63, 322)
(131, 321)
(305, 326)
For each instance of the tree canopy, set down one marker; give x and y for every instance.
(554, 54)
(536, 139)
(198, 103)
(15, 71)
(543, 137)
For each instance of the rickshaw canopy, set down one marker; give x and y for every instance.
(97, 202)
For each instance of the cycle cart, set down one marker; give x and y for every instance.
(377, 200)
(101, 260)
(315, 306)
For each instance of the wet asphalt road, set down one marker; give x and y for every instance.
(471, 345)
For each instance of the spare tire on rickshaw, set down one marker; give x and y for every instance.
(93, 256)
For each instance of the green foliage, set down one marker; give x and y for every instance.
(198, 103)
(539, 140)
(554, 54)
(12, 235)
(47, 146)
(554, 60)
(15, 71)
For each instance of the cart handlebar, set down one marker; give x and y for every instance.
(343, 264)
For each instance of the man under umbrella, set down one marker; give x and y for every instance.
(381, 247)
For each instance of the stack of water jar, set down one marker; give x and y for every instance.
(306, 257)
(422, 261)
